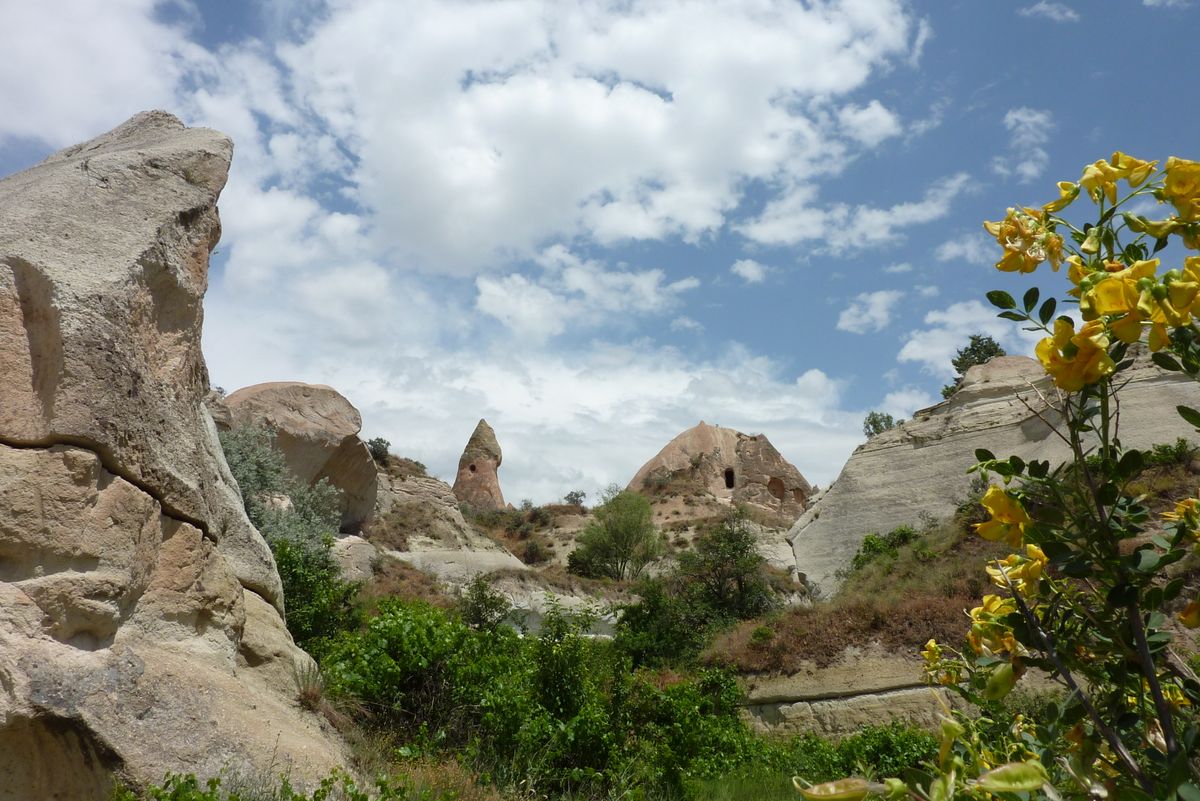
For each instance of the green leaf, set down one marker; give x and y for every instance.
(1015, 777)
(1160, 243)
(1013, 315)
(1017, 464)
(1190, 415)
(1166, 361)
(1046, 313)
(1039, 469)
(1001, 299)
(1172, 590)
(1131, 464)
(1031, 298)
(984, 455)
(1122, 595)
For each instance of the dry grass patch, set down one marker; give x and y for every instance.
(395, 578)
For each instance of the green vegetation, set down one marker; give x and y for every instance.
(620, 540)
(378, 446)
(877, 422)
(979, 350)
(574, 498)
(299, 522)
(874, 546)
(721, 581)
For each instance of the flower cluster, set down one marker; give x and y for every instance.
(1008, 521)
(1021, 573)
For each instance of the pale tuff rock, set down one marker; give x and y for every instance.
(730, 467)
(919, 468)
(140, 629)
(316, 429)
(477, 483)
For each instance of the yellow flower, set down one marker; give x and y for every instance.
(1026, 240)
(1023, 572)
(1128, 329)
(1186, 513)
(1067, 192)
(1190, 616)
(1116, 291)
(1076, 360)
(1101, 178)
(989, 634)
(1009, 518)
(1182, 187)
(932, 652)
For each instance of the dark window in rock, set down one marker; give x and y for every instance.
(798, 494)
(728, 478)
(471, 468)
(776, 488)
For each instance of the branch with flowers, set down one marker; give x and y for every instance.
(1085, 597)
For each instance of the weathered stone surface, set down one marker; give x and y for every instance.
(477, 482)
(139, 624)
(316, 429)
(920, 467)
(729, 467)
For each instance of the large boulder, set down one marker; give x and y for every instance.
(316, 429)
(477, 483)
(729, 467)
(140, 625)
(919, 468)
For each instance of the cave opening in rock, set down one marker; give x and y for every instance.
(471, 468)
(798, 495)
(728, 478)
(776, 488)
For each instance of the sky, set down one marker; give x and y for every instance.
(595, 224)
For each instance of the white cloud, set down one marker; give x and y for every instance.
(685, 323)
(950, 328)
(577, 291)
(750, 271)
(793, 219)
(896, 269)
(1058, 12)
(869, 124)
(924, 35)
(1166, 3)
(928, 291)
(971, 248)
(901, 403)
(1027, 158)
(870, 311)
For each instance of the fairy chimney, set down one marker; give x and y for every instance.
(477, 483)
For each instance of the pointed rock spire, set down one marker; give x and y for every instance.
(477, 482)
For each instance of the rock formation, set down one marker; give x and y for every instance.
(140, 627)
(728, 466)
(316, 430)
(477, 483)
(920, 467)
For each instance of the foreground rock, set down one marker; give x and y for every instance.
(920, 467)
(316, 429)
(477, 483)
(140, 630)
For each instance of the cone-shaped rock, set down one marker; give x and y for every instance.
(730, 466)
(477, 482)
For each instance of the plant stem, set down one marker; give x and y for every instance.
(1147, 661)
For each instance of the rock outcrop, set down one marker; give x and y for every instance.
(140, 626)
(727, 466)
(919, 468)
(477, 483)
(316, 429)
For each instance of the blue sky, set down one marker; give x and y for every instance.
(596, 224)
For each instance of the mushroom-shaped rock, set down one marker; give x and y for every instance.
(316, 430)
(477, 483)
(139, 608)
(729, 466)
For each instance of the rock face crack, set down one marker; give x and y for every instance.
(109, 463)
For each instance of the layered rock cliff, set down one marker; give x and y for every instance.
(140, 626)
(920, 467)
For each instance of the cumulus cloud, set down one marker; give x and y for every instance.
(750, 271)
(1166, 3)
(928, 291)
(869, 124)
(870, 311)
(1029, 131)
(685, 323)
(971, 248)
(949, 329)
(896, 269)
(1058, 12)
(794, 218)
(578, 291)
(901, 403)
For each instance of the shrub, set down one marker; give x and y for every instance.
(877, 422)
(620, 541)
(574, 498)
(1179, 452)
(482, 607)
(378, 446)
(725, 573)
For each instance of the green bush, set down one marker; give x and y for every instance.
(620, 540)
(481, 606)
(888, 546)
(298, 522)
(335, 786)
(378, 446)
(1178, 452)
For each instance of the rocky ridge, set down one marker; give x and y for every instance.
(919, 468)
(128, 568)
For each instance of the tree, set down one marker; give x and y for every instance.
(378, 446)
(620, 540)
(575, 497)
(725, 571)
(979, 350)
(878, 422)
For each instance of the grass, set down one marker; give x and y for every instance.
(395, 578)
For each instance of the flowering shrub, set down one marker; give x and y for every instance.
(1086, 594)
